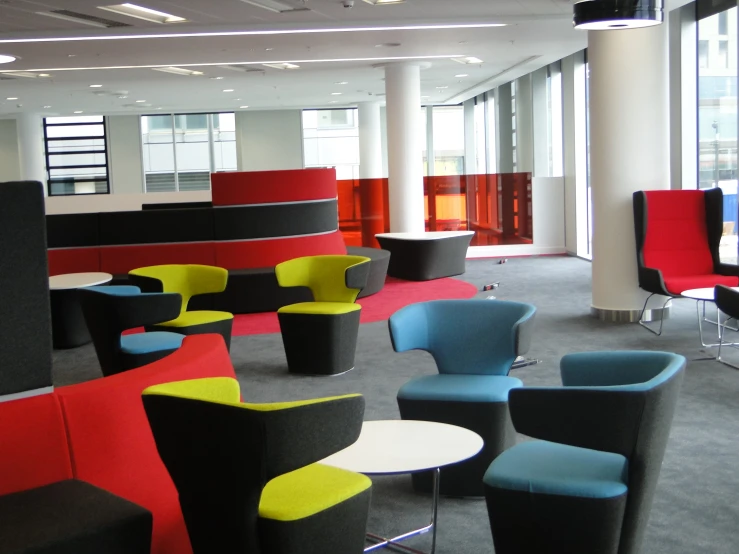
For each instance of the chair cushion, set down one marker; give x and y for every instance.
(309, 490)
(144, 343)
(320, 308)
(677, 285)
(542, 467)
(459, 388)
(197, 317)
(72, 516)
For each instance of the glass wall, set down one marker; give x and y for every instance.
(180, 151)
(76, 155)
(331, 139)
(717, 117)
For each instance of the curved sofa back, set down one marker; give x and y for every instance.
(257, 219)
(97, 431)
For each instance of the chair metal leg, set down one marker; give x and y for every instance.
(721, 329)
(661, 319)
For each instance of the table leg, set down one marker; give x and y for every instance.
(394, 543)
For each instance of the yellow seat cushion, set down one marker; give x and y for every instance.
(320, 308)
(308, 491)
(197, 317)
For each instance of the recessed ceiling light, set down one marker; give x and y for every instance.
(140, 101)
(342, 83)
(159, 107)
(243, 107)
(96, 86)
(140, 12)
(26, 74)
(285, 65)
(228, 90)
(268, 49)
(462, 75)
(47, 107)
(468, 60)
(443, 86)
(79, 111)
(237, 99)
(277, 6)
(4, 58)
(122, 96)
(12, 98)
(336, 94)
(384, 2)
(44, 75)
(178, 71)
(216, 78)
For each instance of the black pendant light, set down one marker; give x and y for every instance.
(617, 14)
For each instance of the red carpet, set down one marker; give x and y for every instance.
(377, 307)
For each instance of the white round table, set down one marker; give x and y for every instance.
(702, 296)
(68, 281)
(68, 327)
(406, 446)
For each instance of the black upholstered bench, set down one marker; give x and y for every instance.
(426, 256)
(72, 517)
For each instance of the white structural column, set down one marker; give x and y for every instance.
(30, 130)
(370, 140)
(629, 151)
(405, 162)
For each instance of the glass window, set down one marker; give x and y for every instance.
(331, 139)
(480, 135)
(76, 155)
(554, 120)
(448, 129)
(717, 118)
(181, 150)
(492, 159)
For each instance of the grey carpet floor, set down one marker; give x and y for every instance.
(696, 509)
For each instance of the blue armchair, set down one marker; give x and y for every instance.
(474, 344)
(588, 486)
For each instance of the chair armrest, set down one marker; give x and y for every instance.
(589, 418)
(728, 269)
(355, 276)
(524, 330)
(301, 433)
(409, 328)
(651, 280)
(148, 308)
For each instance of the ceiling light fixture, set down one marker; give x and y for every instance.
(468, 60)
(44, 75)
(442, 86)
(96, 86)
(243, 107)
(336, 93)
(461, 75)
(4, 58)
(342, 83)
(12, 98)
(140, 101)
(244, 66)
(79, 111)
(140, 12)
(282, 65)
(617, 14)
(26, 74)
(66, 15)
(384, 2)
(284, 6)
(178, 71)
(47, 107)
(228, 90)
(216, 78)
(256, 33)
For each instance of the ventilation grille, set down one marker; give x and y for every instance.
(90, 18)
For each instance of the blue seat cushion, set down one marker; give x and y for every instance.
(459, 388)
(144, 343)
(542, 467)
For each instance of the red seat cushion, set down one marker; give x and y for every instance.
(112, 443)
(677, 285)
(676, 239)
(33, 443)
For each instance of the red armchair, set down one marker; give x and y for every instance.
(677, 243)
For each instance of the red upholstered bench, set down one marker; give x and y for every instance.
(677, 242)
(97, 432)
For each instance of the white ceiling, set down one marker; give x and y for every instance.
(537, 32)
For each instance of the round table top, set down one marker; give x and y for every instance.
(78, 280)
(701, 294)
(406, 446)
(427, 235)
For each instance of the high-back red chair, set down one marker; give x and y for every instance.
(677, 241)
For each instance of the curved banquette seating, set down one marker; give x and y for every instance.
(97, 432)
(257, 220)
